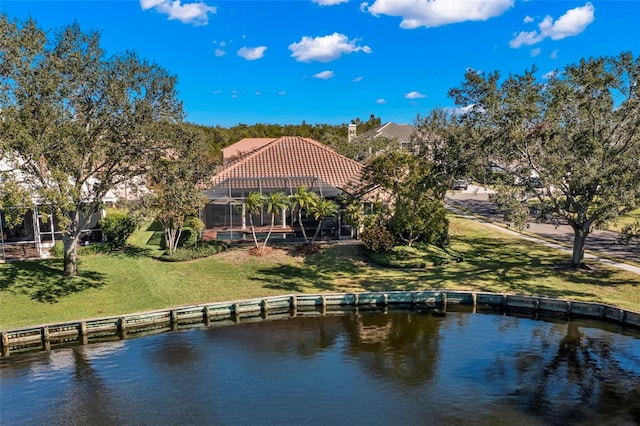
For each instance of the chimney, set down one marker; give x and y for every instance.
(353, 129)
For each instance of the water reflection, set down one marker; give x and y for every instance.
(566, 369)
(398, 347)
(374, 368)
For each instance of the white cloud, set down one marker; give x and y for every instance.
(550, 74)
(535, 52)
(414, 95)
(252, 53)
(234, 94)
(258, 93)
(357, 79)
(329, 2)
(282, 93)
(219, 52)
(526, 37)
(459, 110)
(554, 54)
(325, 49)
(324, 75)
(218, 92)
(381, 101)
(572, 23)
(421, 13)
(188, 13)
(527, 19)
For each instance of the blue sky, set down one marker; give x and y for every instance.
(328, 61)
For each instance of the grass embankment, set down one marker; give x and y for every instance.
(628, 219)
(34, 293)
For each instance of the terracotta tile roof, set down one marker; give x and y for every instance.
(293, 156)
(243, 147)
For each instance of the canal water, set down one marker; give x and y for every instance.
(392, 368)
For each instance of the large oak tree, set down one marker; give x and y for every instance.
(76, 122)
(575, 134)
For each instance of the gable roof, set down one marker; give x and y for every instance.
(402, 132)
(292, 156)
(243, 147)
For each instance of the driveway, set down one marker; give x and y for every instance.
(476, 200)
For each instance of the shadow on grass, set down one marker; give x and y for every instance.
(42, 280)
(318, 271)
(136, 251)
(157, 236)
(492, 265)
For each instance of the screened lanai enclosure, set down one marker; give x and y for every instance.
(36, 232)
(226, 217)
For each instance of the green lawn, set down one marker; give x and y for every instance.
(34, 293)
(622, 221)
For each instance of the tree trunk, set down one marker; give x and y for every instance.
(70, 243)
(581, 232)
(70, 262)
(273, 219)
(318, 229)
(304, 232)
(253, 230)
(580, 237)
(170, 239)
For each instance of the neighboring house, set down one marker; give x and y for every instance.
(275, 165)
(405, 134)
(39, 230)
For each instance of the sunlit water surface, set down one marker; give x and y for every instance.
(398, 368)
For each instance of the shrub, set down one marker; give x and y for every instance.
(116, 228)
(58, 249)
(377, 238)
(200, 250)
(188, 238)
(191, 231)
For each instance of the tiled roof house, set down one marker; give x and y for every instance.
(272, 165)
(403, 133)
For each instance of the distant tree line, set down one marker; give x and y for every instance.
(332, 135)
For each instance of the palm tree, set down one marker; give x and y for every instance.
(254, 203)
(320, 209)
(276, 202)
(302, 199)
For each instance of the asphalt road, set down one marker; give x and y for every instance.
(476, 199)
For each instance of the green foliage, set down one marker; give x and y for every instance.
(630, 232)
(57, 250)
(575, 134)
(115, 284)
(191, 232)
(275, 203)
(73, 115)
(92, 249)
(189, 237)
(254, 202)
(176, 181)
(15, 201)
(322, 208)
(199, 250)
(415, 210)
(377, 238)
(420, 218)
(116, 228)
(300, 200)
